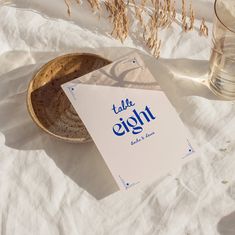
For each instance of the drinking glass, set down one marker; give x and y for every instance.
(222, 61)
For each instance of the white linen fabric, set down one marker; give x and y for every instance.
(51, 187)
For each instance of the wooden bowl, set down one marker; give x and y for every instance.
(48, 105)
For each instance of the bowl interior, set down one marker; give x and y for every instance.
(48, 105)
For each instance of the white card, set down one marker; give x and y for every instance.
(137, 131)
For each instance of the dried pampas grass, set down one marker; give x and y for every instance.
(95, 5)
(152, 15)
(118, 14)
(203, 28)
(67, 2)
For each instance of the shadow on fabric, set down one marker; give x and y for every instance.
(179, 78)
(226, 225)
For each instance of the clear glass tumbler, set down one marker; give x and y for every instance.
(222, 61)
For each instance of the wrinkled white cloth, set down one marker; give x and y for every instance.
(51, 187)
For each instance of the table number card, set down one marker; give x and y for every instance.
(137, 131)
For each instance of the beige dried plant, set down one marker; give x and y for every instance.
(67, 2)
(95, 5)
(203, 28)
(118, 14)
(152, 16)
(192, 17)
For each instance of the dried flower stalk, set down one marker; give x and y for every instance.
(151, 29)
(203, 29)
(184, 16)
(187, 26)
(138, 10)
(159, 15)
(118, 15)
(67, 2)
(173, 11)
(192, 17)
(95, 5)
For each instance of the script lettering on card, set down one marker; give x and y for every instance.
(135, 122)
